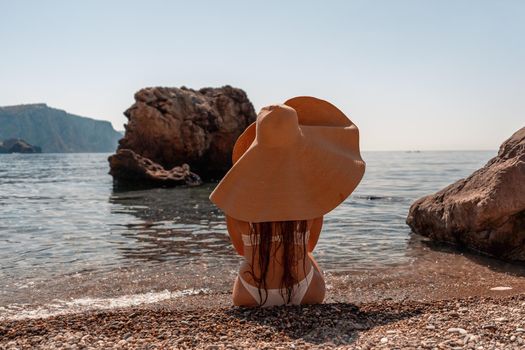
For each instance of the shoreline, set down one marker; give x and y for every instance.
(436, 272)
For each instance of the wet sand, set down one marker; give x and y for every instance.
(442, 299)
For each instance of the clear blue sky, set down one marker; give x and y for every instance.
(411, 74)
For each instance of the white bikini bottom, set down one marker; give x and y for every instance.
(274, 295)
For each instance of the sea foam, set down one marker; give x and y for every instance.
(18, 311)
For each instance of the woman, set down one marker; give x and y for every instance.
(297, 162)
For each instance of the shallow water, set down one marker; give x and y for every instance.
(59, 215)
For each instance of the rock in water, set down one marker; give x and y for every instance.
(18, 146)
(144, 170)
(484, 212)
(168, 127)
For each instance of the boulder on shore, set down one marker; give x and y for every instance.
(484, 212)
(18, 146)
(169, 127)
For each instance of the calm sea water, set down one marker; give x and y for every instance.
(59, 214)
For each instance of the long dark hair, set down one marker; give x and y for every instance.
(288, 233)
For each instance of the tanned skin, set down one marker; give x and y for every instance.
(316, 290)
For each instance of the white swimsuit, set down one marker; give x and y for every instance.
(274, 295)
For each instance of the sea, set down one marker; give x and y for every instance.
(61, 214)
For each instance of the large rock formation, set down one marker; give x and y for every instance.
(57, 131)
(172, 126)
(18, 146)
(484, 212)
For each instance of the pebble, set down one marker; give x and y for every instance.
(384, 340)
(488, 325)
(501, 288)
(470, 338)
(457, 330)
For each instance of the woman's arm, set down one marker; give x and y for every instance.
(235, 234)
(315, 231)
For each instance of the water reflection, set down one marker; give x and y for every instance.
(178, 224)
(182, 225)
(443, 256)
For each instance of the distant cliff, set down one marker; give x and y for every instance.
(54, 130)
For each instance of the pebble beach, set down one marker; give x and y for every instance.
(465, 323)
(473, 306)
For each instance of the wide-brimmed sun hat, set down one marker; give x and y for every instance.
(297, 161)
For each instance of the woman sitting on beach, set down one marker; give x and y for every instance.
(295, 163)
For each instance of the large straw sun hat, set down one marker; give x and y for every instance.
(297, 161)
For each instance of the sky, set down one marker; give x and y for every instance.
(412, 75)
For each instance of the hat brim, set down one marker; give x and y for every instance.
(310, 111)
(301, 182)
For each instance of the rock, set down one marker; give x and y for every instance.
(171, 126)
(457, 330)
(501, 288)
(484, 212)
(18, 146)
(129, 166)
